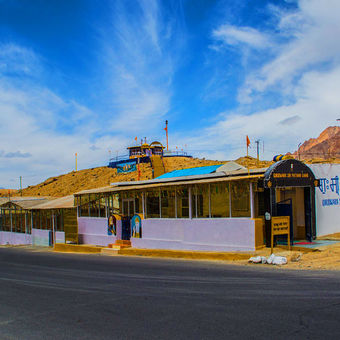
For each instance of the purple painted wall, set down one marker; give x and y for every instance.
(223, 234)
(14, 238)
(60, 237)
(93, 230)
(40, 237)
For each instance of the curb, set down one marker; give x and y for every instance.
(182, 254)
(77, 248)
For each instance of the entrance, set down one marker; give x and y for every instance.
(289, 190)
(295, 202)
(128, 210)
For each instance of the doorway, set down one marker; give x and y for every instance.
(295, 202)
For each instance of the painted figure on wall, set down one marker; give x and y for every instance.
(112, 223)
(136, 226)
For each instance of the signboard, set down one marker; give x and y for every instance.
(327, 198)
(280, 226)
(126, 167)
(287, 173)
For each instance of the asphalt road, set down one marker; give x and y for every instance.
(46, 295)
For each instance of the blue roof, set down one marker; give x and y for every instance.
(203, 170)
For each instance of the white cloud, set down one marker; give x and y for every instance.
(313, 30)
(41, 131)
(233, 35)
(139, 65)
(316, 108)
(294, 94)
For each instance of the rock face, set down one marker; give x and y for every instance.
(324, 147)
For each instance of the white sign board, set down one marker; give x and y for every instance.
(327, 198)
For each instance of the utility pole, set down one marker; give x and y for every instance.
(258, 149)
(299, 151)
(20, 185)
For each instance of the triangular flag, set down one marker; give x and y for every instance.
(248, 141)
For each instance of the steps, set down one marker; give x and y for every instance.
(157, 165)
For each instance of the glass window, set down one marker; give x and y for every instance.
(168, 203)
(219, 193)
(152, 203)
(200, 201)
(182, 194)
(240, 199)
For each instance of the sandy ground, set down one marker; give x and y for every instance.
(325, 258)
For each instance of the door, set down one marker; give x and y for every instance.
(128, 209)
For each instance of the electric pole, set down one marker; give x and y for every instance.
(258, 149)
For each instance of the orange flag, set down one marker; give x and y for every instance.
(248, 141)
(136, 139)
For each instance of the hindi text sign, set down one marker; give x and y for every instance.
(280, 226)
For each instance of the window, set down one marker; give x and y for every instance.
(168, 203)
(240, 199)
(152, 203)
(200, 201)
(182, 194)
(219, 201)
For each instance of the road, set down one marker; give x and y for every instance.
(46, 295)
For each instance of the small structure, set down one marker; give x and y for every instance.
(144, 153)
(38, 221)
(146, 150)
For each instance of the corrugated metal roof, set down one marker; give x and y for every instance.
(151, 184)
(25, 202)
(230, 166)
(202, 170)
(58, 203)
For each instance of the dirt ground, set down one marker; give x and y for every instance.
(326, 258)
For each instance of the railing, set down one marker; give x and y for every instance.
(175, 153)
(119, 158)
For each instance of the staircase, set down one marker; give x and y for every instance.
(157, 165)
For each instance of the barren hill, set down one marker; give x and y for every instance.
(72, 182)
(324, 147)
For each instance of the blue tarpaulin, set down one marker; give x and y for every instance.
(126, 167)
(202, 170)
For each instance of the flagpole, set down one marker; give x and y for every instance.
(167, 137)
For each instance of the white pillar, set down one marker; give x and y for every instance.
(209, 194)
(190, 203)
(251, 197)
(230, 215)
(160, 203)
(143, 204)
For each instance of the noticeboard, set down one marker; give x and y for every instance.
(280, 226)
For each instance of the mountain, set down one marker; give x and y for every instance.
(324, 147)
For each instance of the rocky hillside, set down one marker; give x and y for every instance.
(325, 147)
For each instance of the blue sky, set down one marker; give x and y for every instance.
(88, 76)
